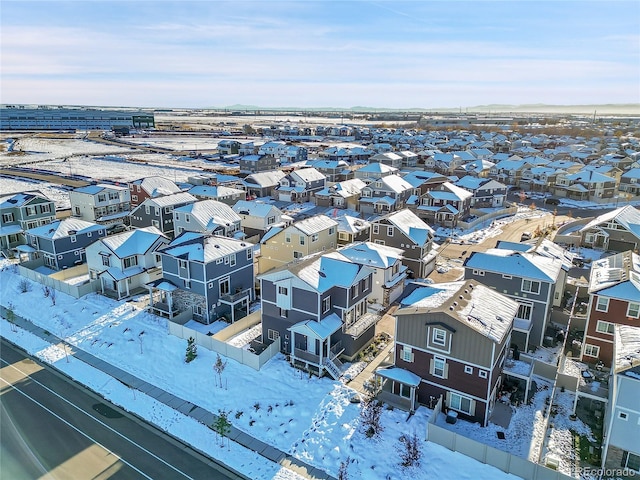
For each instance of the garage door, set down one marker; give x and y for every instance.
(621, 246)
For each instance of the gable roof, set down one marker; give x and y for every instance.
(518, 264)
(308, 174)
(21, 198)
(157, 186)
(264, 179)
(627, 216)
(170, 200)
(210, 213)
(411, 225)
(324, 272)
(616, 276)
(133, 242)
(315, 224)
(371, 254)
(254, 208)
(65, 228)
(203, 248)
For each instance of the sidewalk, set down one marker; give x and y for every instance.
(187, 408)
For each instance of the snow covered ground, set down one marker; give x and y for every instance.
(309, 417)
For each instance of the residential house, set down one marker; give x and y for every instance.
(343, 195)
(405, 230)
(422, 181)
(263, 184)
(409, 158)
(105, 204)
(333, 170)
(374, 171)
(477, 168)
(509, 171)
(158, 211)
(300, 185)
(532, 278)
(389, 274)
(585, 185)
(150, 187)
(352, 229)
(620, 447)
(455, 337)
(318, 309)
(283, 245)
(20, 212)
(614, 299)
(220, 193)
(485, 192)
(127, 261)
(630, 182)
(387, 194)
(249, 164)
(445, 204)
(207, 216)
(540, 179)
(228, 147)
(210, 276)
(256, 217)
(617, 230)
(61, 244)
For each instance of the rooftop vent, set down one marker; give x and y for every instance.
(455, 304)
(217, 246)
(460, 297)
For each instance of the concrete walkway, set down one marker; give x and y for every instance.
(358, 383)
(187, 408)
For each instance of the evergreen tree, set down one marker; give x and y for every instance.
(192, 350)
(222, 425)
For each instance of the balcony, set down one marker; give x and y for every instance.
(362, 324)
(306, 356)
(233, 298)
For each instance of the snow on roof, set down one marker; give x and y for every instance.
(396, 183)
(376, 167)
(157, 186)
(349, 187)
(372, 254)
(477, 306)
(627, 349)
(18, 199)
(10, 229)
(210, 213)
(309, 174)
(470, 182)
(133, 242)
(264, 179)
(253, 208)
(616, 276)
(321, 330)
(589, 176)
(325, 272)
(412, 225)
(64, 228)
(347, 223)
(272, 232)
(204, 248)
(214, 191)
(315, 224)
(399, 375)
(627, 216)
(170, 200)
(521, 265)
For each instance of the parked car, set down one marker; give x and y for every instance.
(552, 201)
(525, 236)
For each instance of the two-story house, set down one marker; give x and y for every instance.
(105, 204)
(61, 244)
(344, 194)
(509, 171)
(220, 193)
(614, 299)
(126, 262)
(333, 170)
(585, 185)
(150, 187)
(486, 192)
(374, 171)
(539, 179)
(262, 184)
(630, 182)
(258, 163)
(455, 337)
(207, 216)
(531, 278)
(620, 446)
(617, 230)
(282, 245)
(20, 212)
(387, 194)
(352, 229)
(445, 204)
(390, 159)
(158, 212)
(300, 185)
(318, 309)
(210, 276)
(256, 217)
(405, 230)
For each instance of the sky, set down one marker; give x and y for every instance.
(305, 54)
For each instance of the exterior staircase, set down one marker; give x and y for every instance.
(333, 367)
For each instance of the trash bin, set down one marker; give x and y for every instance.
(452, 417)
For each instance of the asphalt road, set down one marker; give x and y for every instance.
(54, 428)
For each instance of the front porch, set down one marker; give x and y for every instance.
(397, 387)
(312, 348)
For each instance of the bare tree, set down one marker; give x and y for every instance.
(410, 452)
(219, 367)
(370, 413)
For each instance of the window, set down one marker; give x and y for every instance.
(187, 217)
(232, 259)
(604, 327)
(460, 403)
(407, 354)
(507, 276)
(7, 217)
(524, 311)
(376, 229)
(273, 334)
(332, 230)
(210, 285)
(283, 291)
(468, 369)
(297, 254)
(102, 197)
(326, 304)
(633, 310)
(591, 350)
(438, 367)
(482, 374)
(314, 237)
(302, 239)
(219, 261)
(287, 237)
(73, 239)
(271, 220)
(405, 391)
(623, 416)
(225, 286)
(439, 337)
(105, 260)
(530, 286)
(355, 291)
(479, 273)
(249, 254)
(182, 264)
(389, 231)
(603, 304)
(284, 313)
(633, 462)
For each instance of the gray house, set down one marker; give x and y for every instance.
(158, 211)
(103, 203)
(62, 243)
(207, 216)
(530, 278)
(208, 275)
(262, 184)
(20, 212)
(318, 309)
(617, 230)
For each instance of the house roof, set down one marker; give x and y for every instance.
(254, 208)
(627, 216)
(315, 224)
(94, 189)
(412, 226)
(203, 248)
(324, 272)
(309, 174)
(518, 264)
(214, 191)
(376, 167)
(627, 350)
(348, 223)
(170, 200)
(264, 179)
(399, 375)
(320, 330)
(616, 276)
(472, 304)
(371, 254)
(19, 199)
(157, 186)
(133, 242)
(589, 176)
(210, 213)
(543, 247)
(64, 228)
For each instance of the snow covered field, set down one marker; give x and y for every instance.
(309, 417)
